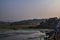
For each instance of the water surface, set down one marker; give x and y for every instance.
(22, 34)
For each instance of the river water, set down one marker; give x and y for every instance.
(22, 34)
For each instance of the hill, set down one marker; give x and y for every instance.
(33, 23)
(29, 22)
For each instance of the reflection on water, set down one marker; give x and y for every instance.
(21, 35)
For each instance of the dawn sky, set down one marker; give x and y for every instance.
(16, 10)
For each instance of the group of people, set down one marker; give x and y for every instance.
(53, 35)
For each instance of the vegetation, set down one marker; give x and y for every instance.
(49, 23)
(31, 24)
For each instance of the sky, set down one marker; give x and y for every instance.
(16, 10)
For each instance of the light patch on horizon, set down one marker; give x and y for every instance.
(55, 8)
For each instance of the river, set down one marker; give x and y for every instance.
(22, 34)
